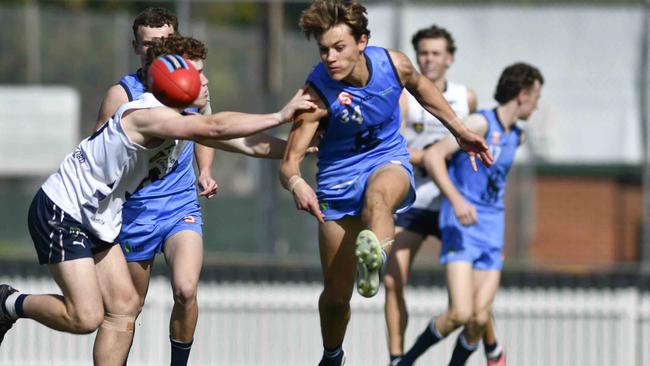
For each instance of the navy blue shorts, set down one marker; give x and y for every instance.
(421, 221)
(57, 236)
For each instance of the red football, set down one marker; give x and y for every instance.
(174, 81)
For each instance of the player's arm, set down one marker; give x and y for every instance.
(472, 100)
(259, 145)
(433, 101)
(115, 97)
(302, 133)
(204, 157)
(435, 162)
(167, 123)
(415, 154)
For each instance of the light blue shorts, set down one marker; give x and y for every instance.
(340, 200)
(480, 244)
(144, 235)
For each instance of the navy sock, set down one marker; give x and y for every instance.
(19, 305)
(332, 356)
(492, 351)
(462, 351)
(394, 359)
(180, 352)
(428, 338)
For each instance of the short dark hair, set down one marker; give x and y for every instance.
(325, 14)
(434, 32)
(175, 44)
(155, 18)
(515, 78)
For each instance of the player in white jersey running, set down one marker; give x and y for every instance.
(75, 217)
(435, 49)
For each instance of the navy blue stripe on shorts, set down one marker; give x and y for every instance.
(57, 236)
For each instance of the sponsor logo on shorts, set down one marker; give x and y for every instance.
(345, 98)
(189, 219)
(324, 206)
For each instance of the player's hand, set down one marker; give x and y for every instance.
(207, 185)
(475, 146)
(306, 199)
(465, 213)
(300, 102)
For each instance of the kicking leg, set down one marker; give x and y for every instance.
(385, 191)
(78, 311)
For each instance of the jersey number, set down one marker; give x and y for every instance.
(356, 115)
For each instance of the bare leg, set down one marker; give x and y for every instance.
(385, 191)
(121, 302)
(486, 284)
(337, 240)
(460, 291)
(80, 309)
(407, 244)
(184, 255)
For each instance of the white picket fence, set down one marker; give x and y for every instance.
(263, 324)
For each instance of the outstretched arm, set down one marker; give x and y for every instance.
(301, 135)
(259, 145)
(433, 101)
(167, 123)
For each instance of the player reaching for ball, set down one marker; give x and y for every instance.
(165, 216)
(75, 217)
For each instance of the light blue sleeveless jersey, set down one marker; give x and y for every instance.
(487, 187)
(361, 133)
(182, 178)
(480, 244)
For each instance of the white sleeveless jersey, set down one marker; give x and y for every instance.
(422, 130)
(106, 168)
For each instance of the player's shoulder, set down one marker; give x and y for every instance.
(117, 94)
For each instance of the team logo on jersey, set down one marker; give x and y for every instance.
(345, 98)
(189, 219)
(418, 127)
(495, 137)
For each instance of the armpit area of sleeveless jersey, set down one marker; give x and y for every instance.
(182, 177)
(363, 124)
(423, 129)
(94, 181)
(487, 187)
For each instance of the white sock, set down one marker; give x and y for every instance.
(495, 353)
(10, 304)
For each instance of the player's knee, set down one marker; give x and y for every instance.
(460, 316)
(393, 284)
(123, 323)
(185, 293)
(331, 302)
(374, 199)
(125, 303)
(87, 321)
(480, 319)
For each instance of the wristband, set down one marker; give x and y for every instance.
(293, 182)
